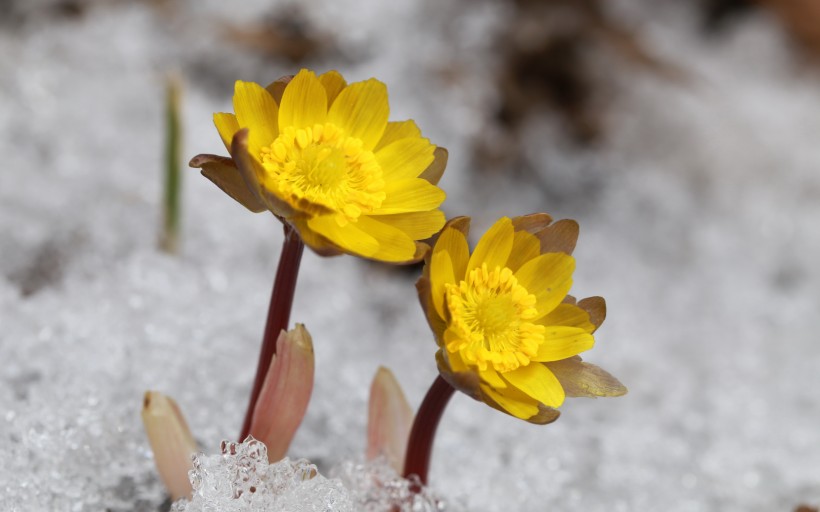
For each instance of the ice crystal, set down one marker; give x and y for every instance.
(376, 487)
(241, 479)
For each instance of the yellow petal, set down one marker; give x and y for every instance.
(333, 83)
(405, 158)
(491, 378)
(248, 167)
(361, 110)
(463, 380)
(441, 273)
(251, 169)
(256, 110)
(536, 381)
(457, 363)
(525, 247)
(518, 408)
(549, 278)
(397, 130)
(413, 195)
(494, 247)
(227, 126)
(350, 238)
(394, 244)
(425, 299)
(320, 245)
(454, 243)
(417, 225)
(568, 315)
(563, 342)
(304, 102)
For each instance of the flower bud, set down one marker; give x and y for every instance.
(171, 441)
(285, 393)
(389, 419)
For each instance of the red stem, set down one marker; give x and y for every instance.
(420, 444)
(281, 301)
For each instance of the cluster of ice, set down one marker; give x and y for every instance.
(68, 452)
(241, 479)
(376, 487)
(698, 216)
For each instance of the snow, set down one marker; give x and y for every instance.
(241, 478)
(698, 215)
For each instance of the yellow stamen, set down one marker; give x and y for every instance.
(321, 170)
(490, 320)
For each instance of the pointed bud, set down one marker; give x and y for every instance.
(389, 419)
(171, 441)
(285, 393)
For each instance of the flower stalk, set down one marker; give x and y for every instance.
(169, 239)
(284, 287)
(420, 444)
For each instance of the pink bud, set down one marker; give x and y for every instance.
(389, 419)
(285, 393)
(171, 441)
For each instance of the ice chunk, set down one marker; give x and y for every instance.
(242, 479)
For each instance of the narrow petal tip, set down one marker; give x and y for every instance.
(390, 418)
(171, 442)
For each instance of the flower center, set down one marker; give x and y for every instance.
(490, 317)
(321, 170)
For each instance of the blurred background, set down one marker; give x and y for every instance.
(683, 136)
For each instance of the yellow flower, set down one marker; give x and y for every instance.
(507, 331)
(322, 156)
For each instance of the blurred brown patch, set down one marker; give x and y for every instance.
(552, 51)
(719, 13)
(801, 18)
(46, 265)
(286, 34)
(806, 508)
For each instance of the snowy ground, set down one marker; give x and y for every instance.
(699, 224)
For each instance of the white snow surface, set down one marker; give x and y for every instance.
(699, 220)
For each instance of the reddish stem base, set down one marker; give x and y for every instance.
(420, 444)
(281, 301)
